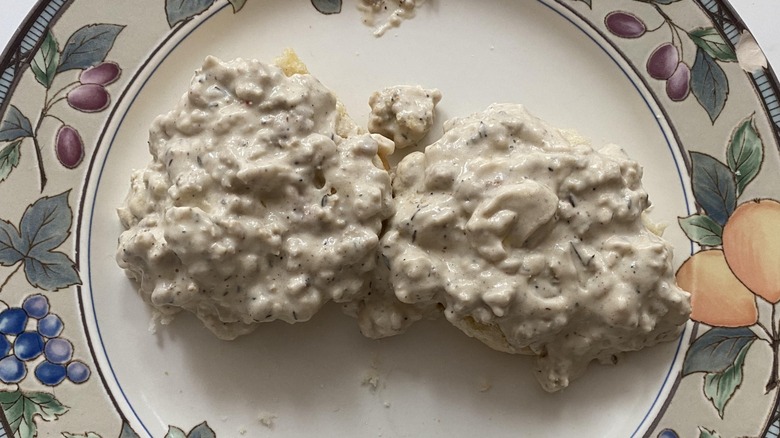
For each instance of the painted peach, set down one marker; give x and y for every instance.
(718, 298)
(751, 244)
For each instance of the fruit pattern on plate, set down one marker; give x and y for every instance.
(733, 230)
(85, 50)
(31, 335)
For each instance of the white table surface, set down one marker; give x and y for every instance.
(761, 17)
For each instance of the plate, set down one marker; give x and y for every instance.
(82, 83)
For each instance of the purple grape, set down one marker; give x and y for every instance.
(28, 345)
(89, 98)
(58, 350)
(668, 433)
(101, 74)
(678, 85)
(36, 306)
(12, 321)
(78, 372)
(12, 370)
(69, 147)
(5, 345)
(50, 326)
(50, 374)
(663, 61)
(624, 24)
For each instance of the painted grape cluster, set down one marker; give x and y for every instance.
(89, 96)
(664, 63)
(85, 51)
(30, 338)
(667, 61)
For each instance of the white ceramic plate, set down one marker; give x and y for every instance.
(576, 64)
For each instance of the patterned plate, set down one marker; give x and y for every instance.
(679, 83)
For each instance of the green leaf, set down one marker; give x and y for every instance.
(50, 270)
(80, 435)
(46, 223)
(709, 84)
(10, 242)
(706, 433)
(714, 186)
(702, 229)
(717, 350)
(720, 387)
(127, 432)
(237, 4)
(712, 42)
(45, 62)
(88, 46)
(22, 409)
(13, 410)
(201, 431)
(745, 153)
(327, 7)
(15, 125)
(175, 432)
(9, 159)
(183, 10)
(44, 226)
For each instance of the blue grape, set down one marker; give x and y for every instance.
(5, 346)
(12, 370)
(668, 433)
(50, 326)
(50, 374)
(36, 306)
(78, 372)
(58, 350)
(12, 321)
(28, 345)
